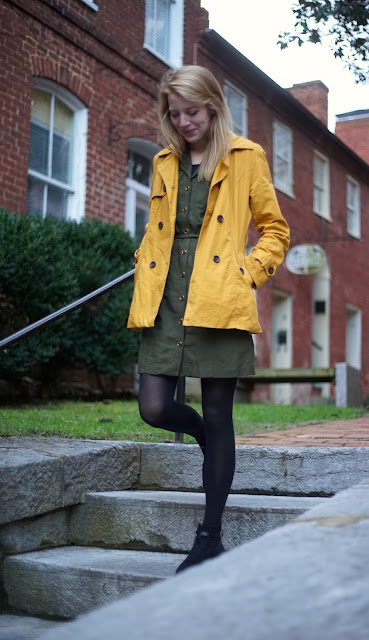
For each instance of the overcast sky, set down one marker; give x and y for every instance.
(252, 26)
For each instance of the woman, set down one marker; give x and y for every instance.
(193, 297)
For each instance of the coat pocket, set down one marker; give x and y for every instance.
(243, 270)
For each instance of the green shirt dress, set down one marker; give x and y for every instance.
(169, 348)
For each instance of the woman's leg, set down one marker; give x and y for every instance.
(159, 408)
(219, 464)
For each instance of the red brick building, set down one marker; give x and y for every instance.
(79, 127)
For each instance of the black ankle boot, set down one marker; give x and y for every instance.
(208, 544)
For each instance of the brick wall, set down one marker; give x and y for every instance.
(314, 96)
(97, 56)
(353, 130)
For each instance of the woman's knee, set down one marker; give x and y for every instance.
(152, 412)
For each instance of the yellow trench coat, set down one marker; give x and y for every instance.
(223, 278)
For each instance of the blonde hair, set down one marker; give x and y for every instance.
(197, 85)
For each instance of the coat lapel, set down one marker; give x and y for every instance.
(168, 169)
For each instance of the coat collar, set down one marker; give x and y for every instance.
(168, 169)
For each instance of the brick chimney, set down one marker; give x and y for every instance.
(353, 129)
(314, 96)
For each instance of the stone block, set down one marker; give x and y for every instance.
(309, 471)
(65, 582)
(30, 483)
(303, 581)
(50, 530)
(347, 386)
(38, 474)
(167, 520)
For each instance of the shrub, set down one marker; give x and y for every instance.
(45, 265)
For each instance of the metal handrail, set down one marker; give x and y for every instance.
(43, 322)
(39, 324)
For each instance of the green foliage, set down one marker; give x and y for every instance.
(47, 264)
(344, 24)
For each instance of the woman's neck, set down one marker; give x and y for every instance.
(196, 156)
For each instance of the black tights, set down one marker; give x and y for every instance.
(214, 432)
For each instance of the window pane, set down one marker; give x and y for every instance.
(319, 172)
(60, 165)
(158, 25)
(35, 196)
(236, 102)
(39, 148)
(40, 106)
(142, 217)
(139, 168)
(56, 202)
(63, 118)
(281, 171)
(317, 204)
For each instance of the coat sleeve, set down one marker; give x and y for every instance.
(154, 170)
(273, 244)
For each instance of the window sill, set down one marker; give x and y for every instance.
(285, 191)
(323, 216)
(354, 236)
(169, 63)
(91, 4)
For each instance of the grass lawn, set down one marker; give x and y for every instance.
(120, 420)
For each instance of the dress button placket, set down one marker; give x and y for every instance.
(183, 264)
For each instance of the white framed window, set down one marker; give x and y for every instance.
(321, 191)
(57, 152)
(138, 183)
(283, 158)
(237, 105)
(91, 4)
(164, 30)
(353, 207)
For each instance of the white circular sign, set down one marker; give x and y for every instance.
(305, 259)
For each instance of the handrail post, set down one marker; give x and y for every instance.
(181, 397)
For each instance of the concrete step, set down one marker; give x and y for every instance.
(167, 520)
(65, 582)
(19, 627)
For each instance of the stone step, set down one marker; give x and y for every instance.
(18, 627)
(64, 582)
(167, 520)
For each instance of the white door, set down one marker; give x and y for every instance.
(353, 337)
(320, 339)
(281, 343)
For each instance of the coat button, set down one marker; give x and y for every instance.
(220, 219)
(186, 231)
(271, 270)
(179, 343)
(242, 271)
(183, 274)
(160, 225)
(164, 189)
(152, 265)
(181, 297)
(184, 209)
(187, 187)
(180, 321)
(183, 252)
(216, 259)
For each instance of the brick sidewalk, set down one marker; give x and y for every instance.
(337, 433)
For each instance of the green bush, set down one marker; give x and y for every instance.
(47, 264)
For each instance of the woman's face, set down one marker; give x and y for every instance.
(190, 119)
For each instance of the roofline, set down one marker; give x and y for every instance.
(360, 114)
(268, 89)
